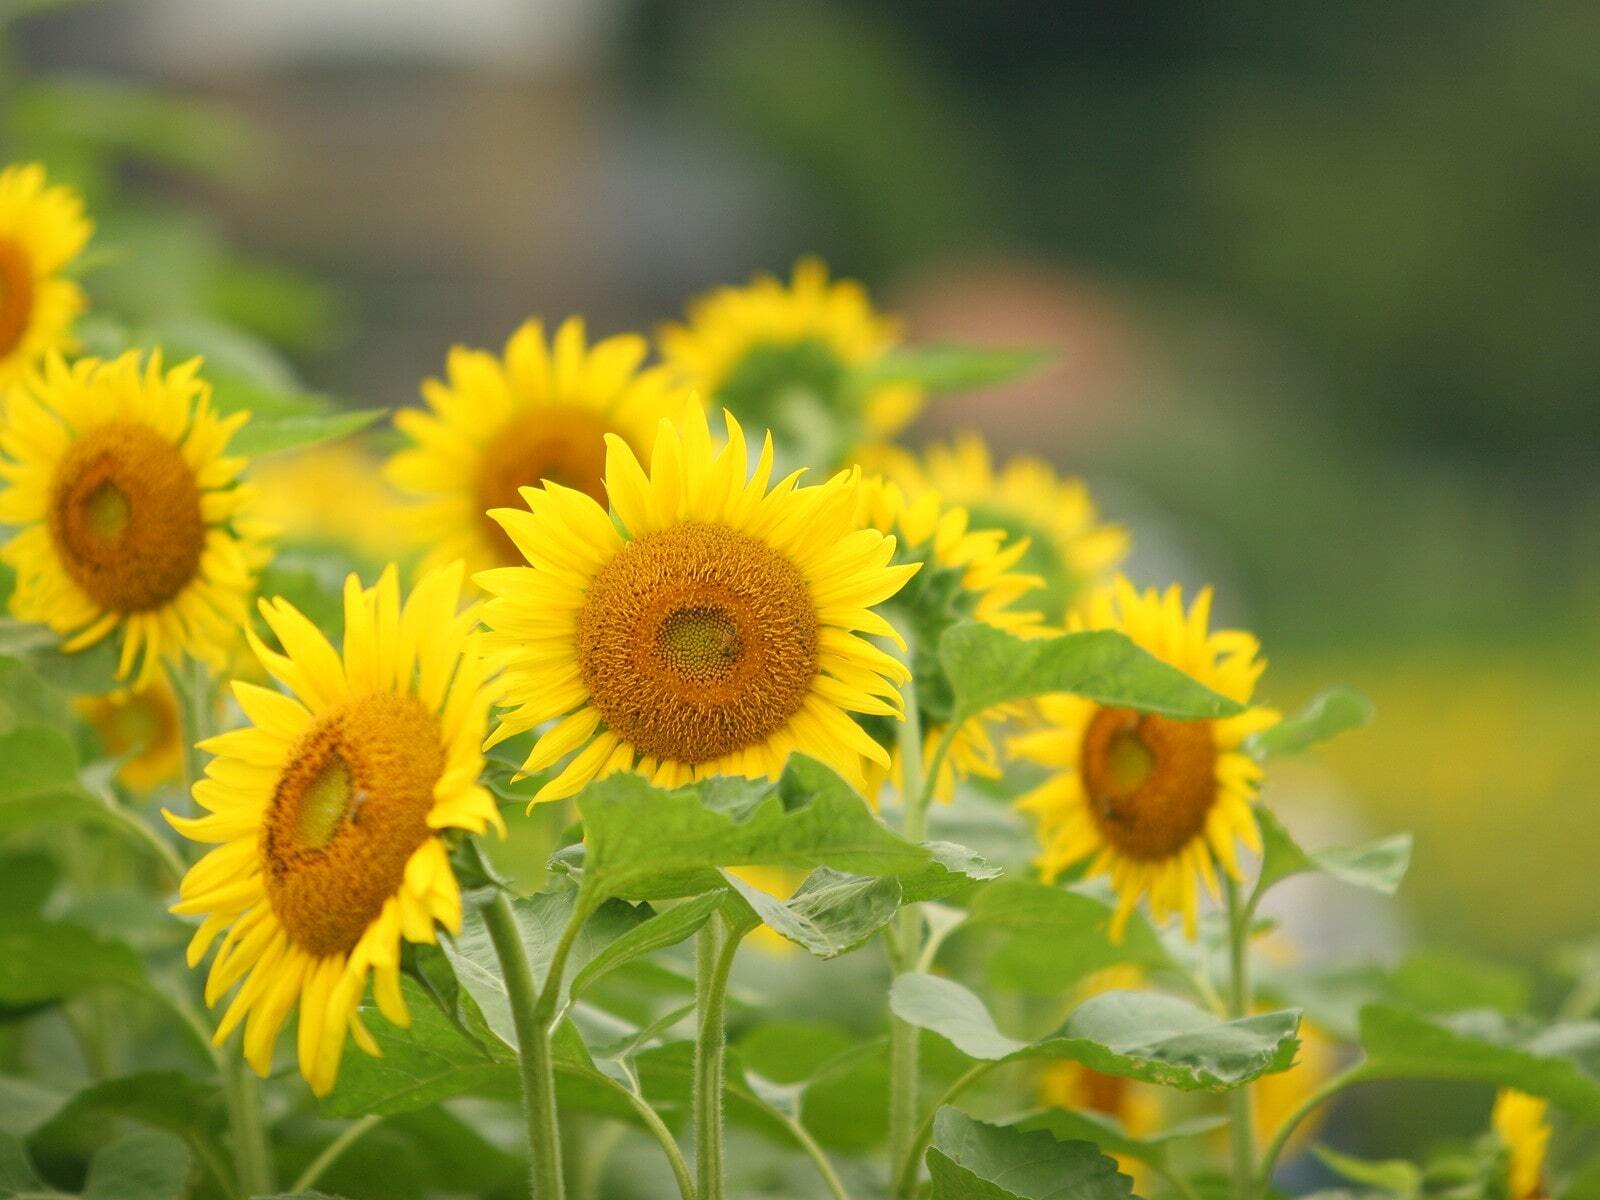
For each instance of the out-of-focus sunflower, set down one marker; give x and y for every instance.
(1151, 801)
(333, 495)
(328, 812)
(714, 633)
(541, 412)
(967, 575)
(130, 513)
(42, 229)
(790, 358)
(144, 728)
(1520, 1123)
(1069, 548)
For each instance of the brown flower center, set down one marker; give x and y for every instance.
(125, 517)
(350, 809)
(16, 294)
(1151, 781)
(564, 445)
(696, 641)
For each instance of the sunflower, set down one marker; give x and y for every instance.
(1520, 1124)
(41, 230)
(968, 575)
(710, 630)
(144, 728)
(328, 813)
(130, 514)
(1069, 548)
(333, 495)
(791, 358)
(1152, 801)
(542, 412)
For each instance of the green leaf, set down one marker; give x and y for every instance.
(92, 670)
(987, 666)
(1107, 1132)
(1138, 1035)
(830, 913)
(17, 1176)
(1378, 866)
(165, 1100)
(27, 877)
(300, 1196)
(296, 431)
(644, 843)
(1052, 937)
(139, 1166)
(43, 961)
(434, 1059)
(39, 782)
(1394, 1176)
(1329, 713)
(973, 1160)
(1555, 1061)
(664, 929)
(951, 869)
(26, 1104)
(1443, 981)
(954, 368)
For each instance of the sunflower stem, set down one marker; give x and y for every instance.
(1241, 1124)
(331, 1152)
(714, 950)
(905, 948)
(533, 1047)
(1280, 1139)
(251, 1155)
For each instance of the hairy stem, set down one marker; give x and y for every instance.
(651, 1119)
(252, 1158)
(714, 950)
(803, 1138)
(905, 949)
(906, 1179)
(1241, 1115)
(533, 1045)
(331, 1152)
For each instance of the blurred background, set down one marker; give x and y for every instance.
(1321, 282)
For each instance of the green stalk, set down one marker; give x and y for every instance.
(906, 1180)
(251, 1154)
(648, 1116)
(905, 949)
(331, 1152)
(1241, 1126)
(714, 951)
(1310, 1104)
(528, 1012)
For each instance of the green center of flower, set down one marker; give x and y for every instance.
(323, 804)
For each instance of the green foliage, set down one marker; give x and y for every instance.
(1108, 1133)
(1394, 1177)
(973, 1160)
(138, 1166)
(43, 961)
(954, 368)
(1138, 1035)
(1378, 867)
(1330, 713)
(987, 666)
(830, 913)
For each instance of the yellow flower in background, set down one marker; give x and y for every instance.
(1520, 1123)
(715, 634)
(144, 728)
(333, 494)
(775, 353)
(1153, 802)
(541, 412)
(327, 812)
(131, 515)
(42, 229)
(1069, 548)
(968, 575)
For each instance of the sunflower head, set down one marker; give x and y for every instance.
(143, 728)
(1069, 549)
(541, 411)
(789, 357)
(712, 628)
(42, 229)
(1150, 801)
(129, 513)
(1520, 1122)
(967, 575)
(328, 813)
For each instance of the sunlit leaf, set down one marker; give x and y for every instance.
(830, 913)
(275, 434)
(954, 368)
(988, 666)
(1331, 712)
(1139, 1035)
(973, 1160)
(1378, 866)
(951, 869)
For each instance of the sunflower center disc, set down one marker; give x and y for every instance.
(125, 517)
(1151, 781)
(697, 641)
(564, 445)
(350, 808)
(16, 294)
